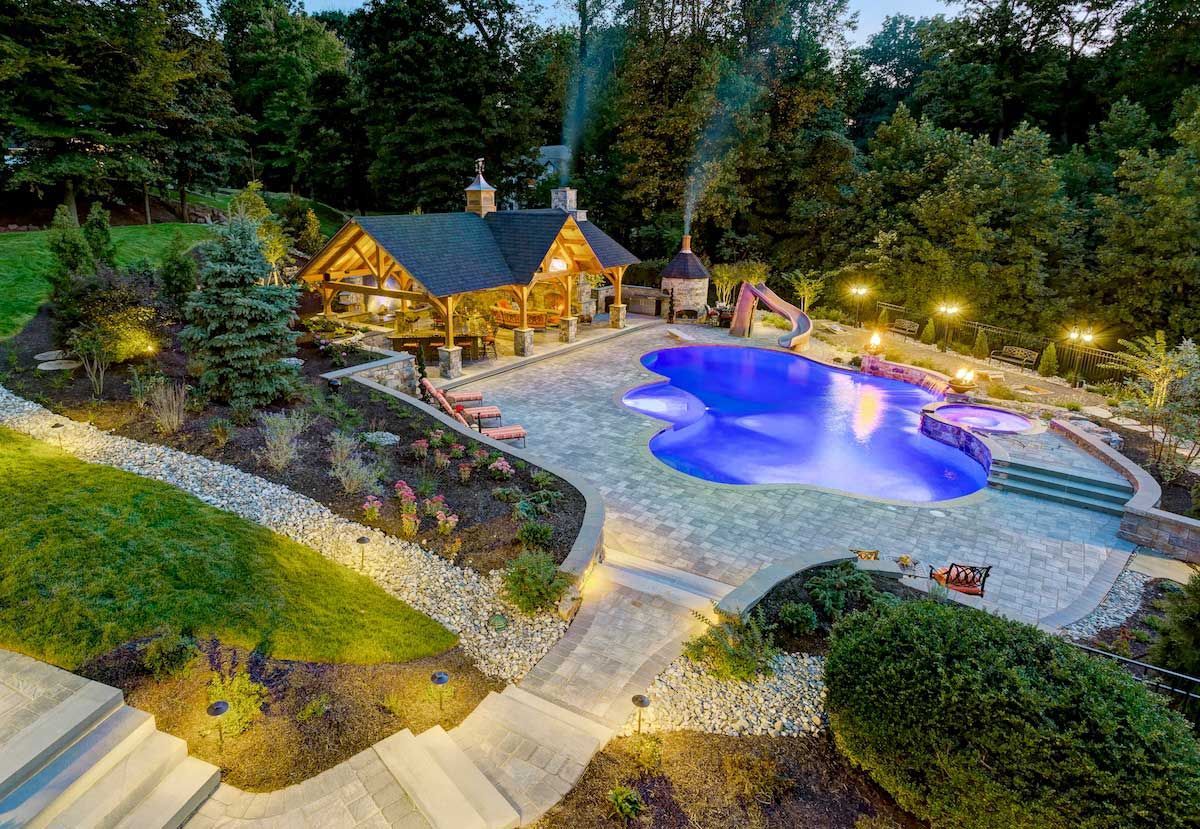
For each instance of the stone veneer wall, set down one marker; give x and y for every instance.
(690, 294)
(1143, 522)
(954, 435)
(399, 373)
(932, 381)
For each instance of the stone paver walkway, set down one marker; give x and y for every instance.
(1044, 555)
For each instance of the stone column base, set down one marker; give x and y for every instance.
(568, 329)
(616, 318)
(522, 341)
(587, 307)
(450, 362)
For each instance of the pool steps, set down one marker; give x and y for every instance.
(1061, 485)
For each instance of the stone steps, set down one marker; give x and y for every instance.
(433, 792)
(92, 762)
(1062, 486)
(496, 811)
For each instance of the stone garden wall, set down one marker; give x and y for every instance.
(954, 435)
(932, 381)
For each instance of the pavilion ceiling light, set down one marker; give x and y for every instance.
(557, 264)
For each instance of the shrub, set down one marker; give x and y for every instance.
(929, 333)
(533, 582)
(70, 254)
(1000, 391)
(141, 384)
(279, 433)
(542, 480)
(734, 647)
(310, 239)
(221, 430)
(167, 653)
(113, 336)
(798, 617)
(1048, 364)
(884, 319)
(238, 327)
(981, 350)
(501, 469)
(1178, 646)
(177, 274)
(245, 698)
(355, 475)
(167, 402)
(834, 589)
(315, 708)
(625, 803)
(341, 447)
(534, 535)
(973, 721)
(1072, 405)
(507, 494)
(99, 236)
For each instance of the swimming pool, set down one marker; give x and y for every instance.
(754, 416)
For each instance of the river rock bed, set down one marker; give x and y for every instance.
(461, 599)
(1122, 601)
(788, 702)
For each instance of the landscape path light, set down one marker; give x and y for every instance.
(362, 542)
(217, 711)
(439, 679)
(641, 702)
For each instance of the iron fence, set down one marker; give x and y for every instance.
(1075, 361)
(1181, 691)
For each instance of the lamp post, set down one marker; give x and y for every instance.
(1078, 338)
(948, 311)
(640, 701)
(859, 292)
(439, 680)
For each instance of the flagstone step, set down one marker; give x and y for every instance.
(521, 718)
(176, 797)
(585, 724)
(434, 794)
(39, 743)
(1049, 493)
(125, 785)
(481, 793)
(71, 772)
(476, 741)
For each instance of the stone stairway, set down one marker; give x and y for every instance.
(1075, 487)
(74, 756)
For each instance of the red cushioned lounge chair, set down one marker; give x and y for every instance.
(961, 578)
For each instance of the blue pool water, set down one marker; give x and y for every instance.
(753, 416)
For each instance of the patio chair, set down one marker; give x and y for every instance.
(961, 578)
(471, 414)
(510, 432)
(464, 396)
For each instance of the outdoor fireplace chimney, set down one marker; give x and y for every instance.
(564, 198)
(687, 278)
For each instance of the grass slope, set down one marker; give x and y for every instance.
(25, 261)
(94, 557)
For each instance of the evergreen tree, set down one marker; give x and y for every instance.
(1048, 364)
(99, 235)
(71, 254)
(929, 333)
(177, 275)
(982, 349)
(311, 238)
(238, 327)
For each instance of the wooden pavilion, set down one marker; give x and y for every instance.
(436, 259)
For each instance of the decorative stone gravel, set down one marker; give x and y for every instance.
(294, 362)
(381, 438)
(460, 599)
(788, 702)
(1121, 602)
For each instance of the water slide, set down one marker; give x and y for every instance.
(743, 315)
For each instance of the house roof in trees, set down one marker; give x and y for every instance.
(453, 253)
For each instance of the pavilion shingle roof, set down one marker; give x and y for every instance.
(685, 265)
(450, 253)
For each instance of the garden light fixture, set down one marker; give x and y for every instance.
(948, 311)
(362, 542)
(640, 701)
(439, 680)
(875, 344)
(859, 292)
(217, 710)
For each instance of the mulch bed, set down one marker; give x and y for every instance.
(1176, 495)
(792, 590)
(350, 707)
(486, 527)
(1133, 638)
(709, 780)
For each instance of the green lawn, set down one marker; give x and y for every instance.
(91, 557)
(331, 218)
(25, 261)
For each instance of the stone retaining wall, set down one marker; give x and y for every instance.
(1143, 522)
(960, 438)
(932, 381)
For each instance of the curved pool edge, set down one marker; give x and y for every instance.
(616, 398)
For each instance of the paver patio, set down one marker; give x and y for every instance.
(1044, 555)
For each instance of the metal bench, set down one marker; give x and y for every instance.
(906, 327)
(961, 578)
(1015, 355)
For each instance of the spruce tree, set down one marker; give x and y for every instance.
(929, 335)
(311, 238)
(70, 252)
(99, 235)
(982, 349)
(237, 327)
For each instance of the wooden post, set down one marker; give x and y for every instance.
(567, 280)
(449, 321)
(327, 301)
(616, 281)
(523, 303)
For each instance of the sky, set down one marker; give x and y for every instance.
(870, 12)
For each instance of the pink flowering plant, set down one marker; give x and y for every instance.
(457, 450)
(407, 498)
(501, 469)
(371, 508)
(434, 505)
(464, 472)
(480, 455)
(441, 461)
(446, 522)
(420, 449)
(436, 437)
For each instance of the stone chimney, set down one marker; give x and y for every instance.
(481, 196)
(564, 198)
